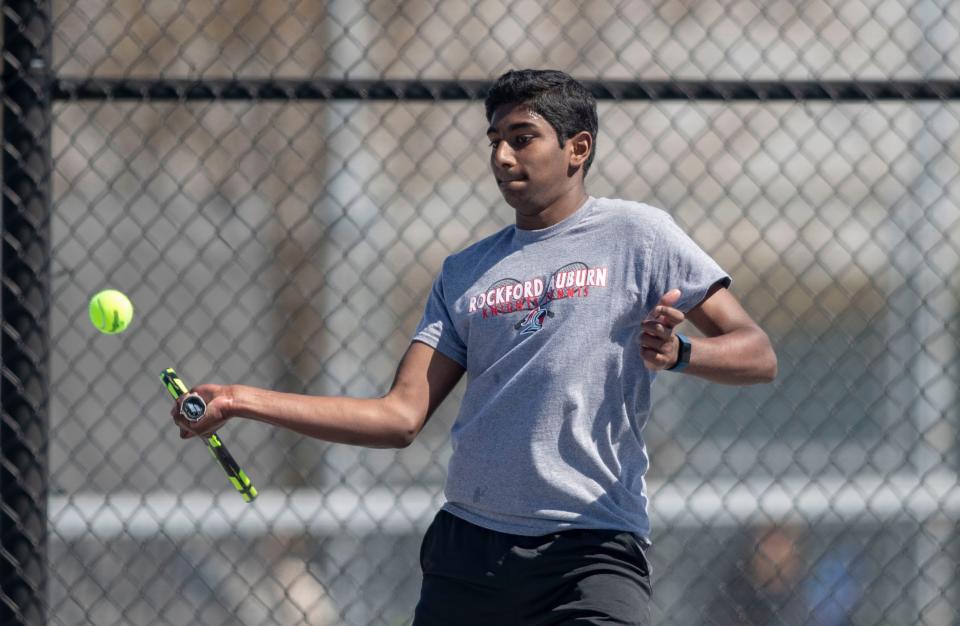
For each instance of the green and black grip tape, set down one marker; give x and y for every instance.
(219, 451)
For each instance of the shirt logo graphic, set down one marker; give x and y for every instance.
(533, 297)
(533, 321)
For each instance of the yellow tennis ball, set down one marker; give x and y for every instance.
(111, 311)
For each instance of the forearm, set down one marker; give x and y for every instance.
(374, 422)
(740, 357)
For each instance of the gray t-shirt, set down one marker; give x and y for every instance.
(546, 323)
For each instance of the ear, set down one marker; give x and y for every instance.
(581, 145)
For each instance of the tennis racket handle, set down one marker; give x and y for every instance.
(231, 468)
(238, 478)
(173, 383)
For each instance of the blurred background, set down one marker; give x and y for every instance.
(291, 242)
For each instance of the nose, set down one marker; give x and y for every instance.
(503, 156)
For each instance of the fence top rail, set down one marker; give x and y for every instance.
(90, 88)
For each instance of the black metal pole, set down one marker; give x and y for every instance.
(25, 299)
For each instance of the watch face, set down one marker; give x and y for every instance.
(193, 407)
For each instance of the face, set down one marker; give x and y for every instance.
(533, 171)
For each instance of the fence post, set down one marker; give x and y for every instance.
(25, 299)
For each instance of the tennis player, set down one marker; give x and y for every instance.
(561, 323)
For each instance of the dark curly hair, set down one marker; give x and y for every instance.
(554, 95)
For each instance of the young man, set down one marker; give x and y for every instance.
(560, 322)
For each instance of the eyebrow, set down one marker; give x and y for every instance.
(511, 127)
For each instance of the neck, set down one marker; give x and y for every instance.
(554, 213)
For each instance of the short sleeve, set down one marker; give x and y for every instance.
(436, 328)
(682, 264)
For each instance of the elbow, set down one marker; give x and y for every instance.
(770, 373)
(394, 439)
(761, 365)
(405, 425)
(403, 438)
(769, 366)
(397, 436)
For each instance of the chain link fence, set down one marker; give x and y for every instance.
(290, 243)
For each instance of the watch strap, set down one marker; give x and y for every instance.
(683, 354)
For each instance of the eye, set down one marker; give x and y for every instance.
(522, 139)
(494, 142)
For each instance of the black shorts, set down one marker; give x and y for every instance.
(472, 575)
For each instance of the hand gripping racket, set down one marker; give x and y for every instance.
(192, 408)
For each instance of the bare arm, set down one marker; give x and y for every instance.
(424, 378)
(733, 351)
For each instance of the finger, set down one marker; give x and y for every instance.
(652, 359)
(185, 434)
(178, 420)
(185, 424)
(651, 342)
(667, 315)
(670, 298)
(654, 328)
(667, 300)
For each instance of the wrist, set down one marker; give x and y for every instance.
(232, 401)
(684, 349)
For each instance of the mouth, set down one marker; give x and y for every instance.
(510, 183)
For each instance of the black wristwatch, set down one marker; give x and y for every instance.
(683, 354)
